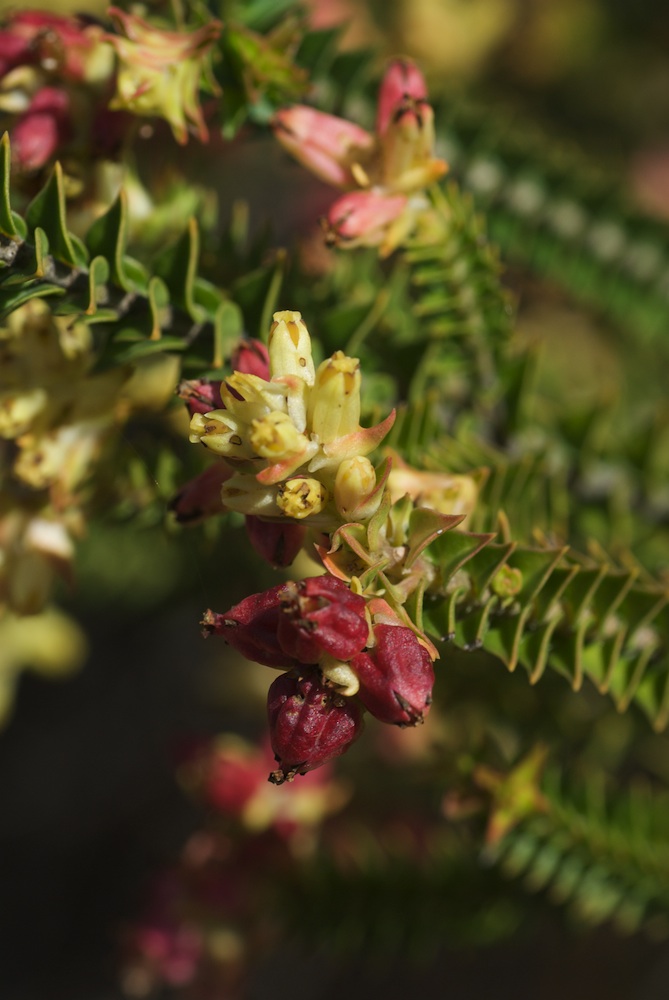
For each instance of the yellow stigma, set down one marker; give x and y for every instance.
(335, 398)
(275, 437)
(289, 347)
(299, 498)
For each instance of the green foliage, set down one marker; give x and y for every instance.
(554, 214)
(602, 854)
(134, 312)
(545, 606)
(462, 309)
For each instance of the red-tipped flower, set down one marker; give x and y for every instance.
(276, 542)
(201, 497)
(201, 395)
(396, 676)
(322, 615)
(402, 86)
(62, 45)
(42, 129)
(362, 218)
(251, 357)
(324, 143)
(309, 724)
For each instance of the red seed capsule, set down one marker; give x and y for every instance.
(323, 616)
(309, 724)
(251, 627)
(396, 676)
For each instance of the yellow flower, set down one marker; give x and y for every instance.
(295, 440)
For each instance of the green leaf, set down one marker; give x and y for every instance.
(453, 549)
(8, 224)
(47, 211)
(107, 238)
(177, 266)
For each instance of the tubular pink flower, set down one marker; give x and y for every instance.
(309, 724)
(362, 218)
(403, 86)
(396, 676)
(390, 169)
(325, 144)
(42, 129)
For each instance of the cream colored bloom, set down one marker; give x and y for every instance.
(289, 437)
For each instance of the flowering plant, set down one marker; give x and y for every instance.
(331, 443)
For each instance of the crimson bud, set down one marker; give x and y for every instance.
(309, 723)
(396, 676)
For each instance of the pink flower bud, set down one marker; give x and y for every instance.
(42, 129)
(396, 676)
(362, 218)
(230, 775)
(327, 145)
(276, 542)
(252, 358)
(309, 724)
(14, 51)
(201, 396)
(251, 627)
(403, 86)
(323, 616)
(201, 497)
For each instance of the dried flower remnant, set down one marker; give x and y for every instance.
(161, 72)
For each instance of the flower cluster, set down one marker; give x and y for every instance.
(385, 173)
(292, 442)
(342, 654)
(54, 419)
